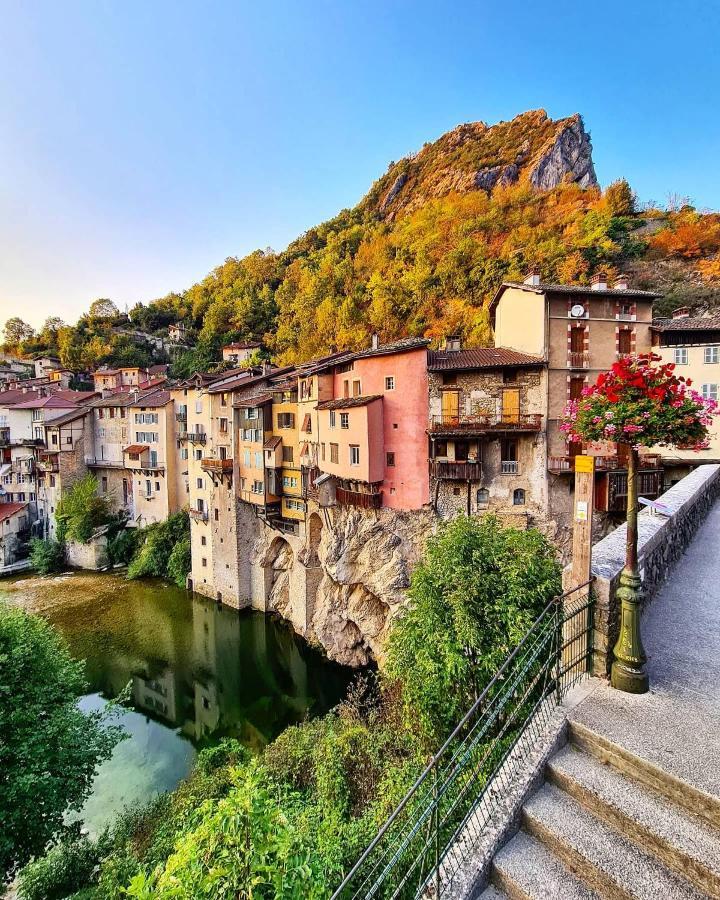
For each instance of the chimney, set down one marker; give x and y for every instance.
(598, 282)
(533, 277)
(375, 343)
(682, 312)
(621, 283)
(453, 343)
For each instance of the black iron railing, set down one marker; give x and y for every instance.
(420, 849)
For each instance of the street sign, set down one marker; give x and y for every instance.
(584, 463)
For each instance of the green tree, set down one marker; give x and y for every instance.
(180, 562)
(47, 556)
(16, 331)
(81, 510)
(157, 547)
(477, 590)
(620, 198)
(102, 308)
(49, 749)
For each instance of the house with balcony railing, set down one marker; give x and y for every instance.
(486, 415)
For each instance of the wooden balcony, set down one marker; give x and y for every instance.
(467, 470)
(447, 424)
(650, 484)
(216, 466)
(181, 417)
(200, 515)
(578, 359)
(360, 499)
(48, 462)
(195, 437)
(564, 464)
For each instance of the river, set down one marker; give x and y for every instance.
(198, 672)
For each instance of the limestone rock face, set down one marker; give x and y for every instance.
(366, 560)
(569, 156)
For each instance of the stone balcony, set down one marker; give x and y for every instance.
(216, 466)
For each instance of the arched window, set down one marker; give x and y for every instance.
(518, 497)
(483, 498)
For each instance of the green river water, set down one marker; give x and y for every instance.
(198, 672)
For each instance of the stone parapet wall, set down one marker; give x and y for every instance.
(662, 540)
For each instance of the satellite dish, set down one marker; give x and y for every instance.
(577, 310)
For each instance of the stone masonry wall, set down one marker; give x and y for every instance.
(661, 542)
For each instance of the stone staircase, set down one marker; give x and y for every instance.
(607, 823)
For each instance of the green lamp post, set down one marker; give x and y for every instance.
(628, 668)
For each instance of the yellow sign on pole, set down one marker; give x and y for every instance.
(584, 463)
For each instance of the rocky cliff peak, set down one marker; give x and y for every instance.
(477, 156)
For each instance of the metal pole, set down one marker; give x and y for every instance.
(628, 669)
(436, 822)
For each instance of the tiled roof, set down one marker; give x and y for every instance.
(221, 387)
(348, 402)
(136, 448)
(400, 346)
(287, 384)
(113, 400)
(76, 396)
(696, 323)
(242, 345)
(480, 358)
(7, 510)
(51, 402)
(272, 442)
(253, 400)
(67, 417)
(154, 398)
(15, 396)
(584, 289)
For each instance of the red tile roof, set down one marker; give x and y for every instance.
(689, 323)
(582, 289)
(136, 448)
(349, 402)
(242, 345)
(51, 402)
(7, 510)
(480, 358)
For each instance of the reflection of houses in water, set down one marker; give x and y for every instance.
(158, 696)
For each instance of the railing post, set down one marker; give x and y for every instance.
(558, 647)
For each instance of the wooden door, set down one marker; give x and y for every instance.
(511, 406)
(576, 388)
(624, 342)
(450, 407)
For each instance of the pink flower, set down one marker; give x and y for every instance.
(610, 429)
(609, 414)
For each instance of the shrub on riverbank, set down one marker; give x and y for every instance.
(49, 748)
(47, 556)
(156, 554)
(81, 510)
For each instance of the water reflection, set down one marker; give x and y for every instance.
(198, 672)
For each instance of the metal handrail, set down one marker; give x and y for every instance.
(544, 659)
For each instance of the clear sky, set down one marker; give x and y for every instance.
(141, 143)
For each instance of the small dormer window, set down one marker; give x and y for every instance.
(453, 343)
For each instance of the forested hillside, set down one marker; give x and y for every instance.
(424, 251)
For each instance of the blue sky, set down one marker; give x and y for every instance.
(143, 143)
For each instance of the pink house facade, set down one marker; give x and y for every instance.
(373, 431)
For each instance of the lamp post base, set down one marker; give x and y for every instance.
(628, 669)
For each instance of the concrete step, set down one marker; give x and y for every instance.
(689, 797)
(683, 842)
(524, 869)
(601, 857)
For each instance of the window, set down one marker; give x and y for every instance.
(449, 377)
(356, 389)
(204, 561)
(322, 452)
(246, 457)
(711, 354)
(483, 498)
(198, 406)
(354, 455)
(157, 485)
(112, 412)
(223, 399)
(251, 414)
(346, 388)
(518, 497)
(625, 342)
(509, 376)
(333, 453)
(290, 481)
(223, 426)
(197, 454)
(104, 483)
(217, 514)
(53, 439)
(576, 388)
(286, 420)
(101, 413)
(681, 356)
(199, 483)
(710, 392)
(389, 382)
(344, 420)
(257, 487)
(52, 481)
(389, 459)
(332, 418)
(287, 454)
(258, 459)
(295, 504)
